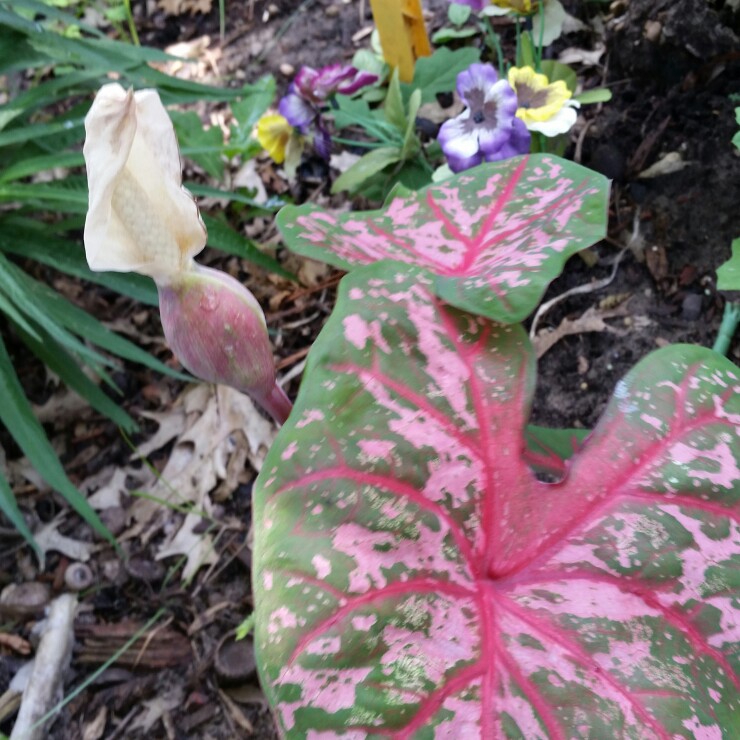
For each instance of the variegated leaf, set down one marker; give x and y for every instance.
(492, 237)
(414, 578)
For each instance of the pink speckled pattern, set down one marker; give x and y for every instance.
(494, 237)
(414, 578)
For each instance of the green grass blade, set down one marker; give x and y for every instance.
(67, 368)
(8, 308)
(271, 205)
(38, 131)
(76, 319)
(223, 237)
(17, 415)
(9, 507)
(28, 296)
(25, 237)
(32, 165)
(51, 196)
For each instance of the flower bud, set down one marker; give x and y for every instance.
(217, 330)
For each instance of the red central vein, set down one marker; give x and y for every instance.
(483, 417)
(489, 647)
(422, 403)
(612, 492)
(399, 488)
(399, 588)
(532, 695)
(553, 633)
(565, 199)
(502, 200)
(447, 222)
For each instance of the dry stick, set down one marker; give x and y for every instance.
(51, 662)
(545, 307)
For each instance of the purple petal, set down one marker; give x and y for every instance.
(457, 138)
(322, 141)
(474, 4)
(299, 113)
(496, 132)
(304, 82)
(504, 96)
(458, 164)
(362, 79)
(477, 77)
(330, 78)
(518, 143)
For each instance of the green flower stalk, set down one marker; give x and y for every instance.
(141, 219)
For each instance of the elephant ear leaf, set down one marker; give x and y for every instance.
(491, 238)
(414, 577)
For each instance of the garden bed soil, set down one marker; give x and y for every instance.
(672, 67)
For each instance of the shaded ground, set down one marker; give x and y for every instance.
(671, 85)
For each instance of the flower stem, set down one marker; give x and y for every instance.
(276, 403)
(730, 320)
(495, 43)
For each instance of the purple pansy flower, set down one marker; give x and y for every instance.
(474, 4)
(488, 128)
(309, 93)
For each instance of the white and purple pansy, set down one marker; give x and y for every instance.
(488, 129)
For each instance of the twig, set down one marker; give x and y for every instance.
(50, 664)
(590, 288)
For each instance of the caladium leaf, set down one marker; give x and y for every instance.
(414, 578)
(492, 237)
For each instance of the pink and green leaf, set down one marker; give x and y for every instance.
(492, 238)
(414, 578)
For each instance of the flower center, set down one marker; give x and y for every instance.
(479, 116)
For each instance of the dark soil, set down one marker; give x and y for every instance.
(672, 66)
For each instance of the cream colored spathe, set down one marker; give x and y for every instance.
(139, 218)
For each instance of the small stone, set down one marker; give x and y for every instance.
(332, 11)
(652, 30)
(78, 577)
(287, 70)
(273, 9)
(235, 662)
(25, 599)
(584, 386)
(691, 307)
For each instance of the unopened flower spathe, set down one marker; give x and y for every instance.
(139, 218)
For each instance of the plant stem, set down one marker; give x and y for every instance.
(730, 320)
(276, 403)
(131, 23)
(541, 16)
(495, 43)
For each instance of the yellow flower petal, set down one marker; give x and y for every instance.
(273, 133)
(539, 99)
(520, 6)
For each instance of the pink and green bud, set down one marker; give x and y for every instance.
(217, 330)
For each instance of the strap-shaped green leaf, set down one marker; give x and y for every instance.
(67, 368)
(9, 507)
(25, 237)
(16, 414)
(69, 316)
(223, 237)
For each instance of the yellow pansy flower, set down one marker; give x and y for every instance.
(543, 106)
(273, 133)
(519, 6)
